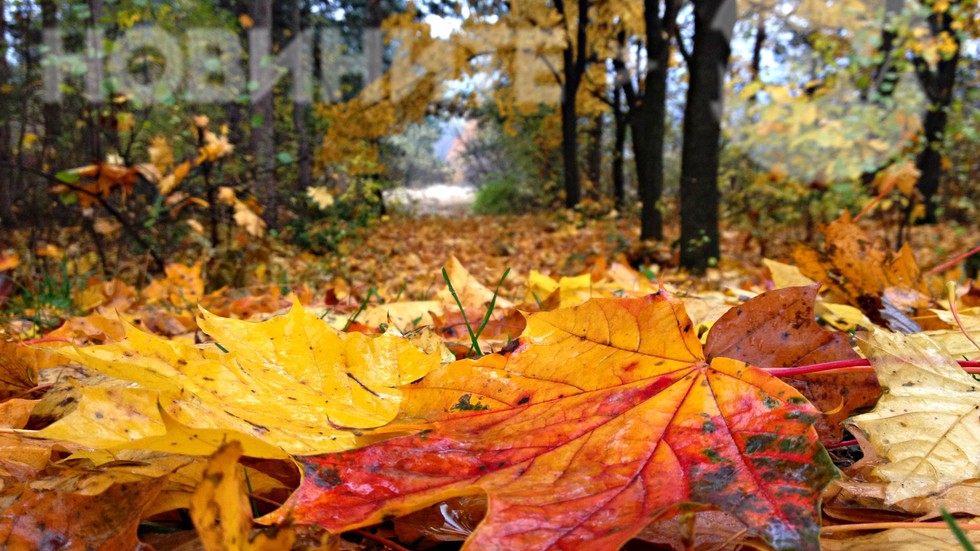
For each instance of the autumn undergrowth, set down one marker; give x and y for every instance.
(44, 295)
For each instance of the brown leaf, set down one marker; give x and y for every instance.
(777, 329)
(18, 369)
(864, 271)
(78, 509)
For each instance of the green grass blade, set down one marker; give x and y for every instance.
(493, 302)
(957, 531)
(475, 344)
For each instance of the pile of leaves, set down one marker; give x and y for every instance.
(588, 410)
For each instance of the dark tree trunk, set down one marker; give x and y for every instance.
(569, 147)
(713, 23)
(619, 150)
(6, 154)
(262, 139)
(235, 108)
(50, 111)
(304, 165)
(573, 68)
(93, 128)
(594, 157)
(929, 161)
(760, 41)
(938, 86)
(885, 75)
(648, 115)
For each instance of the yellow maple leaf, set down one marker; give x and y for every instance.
(215, 147)
(321, 196)
(221, 512)
(291, 383)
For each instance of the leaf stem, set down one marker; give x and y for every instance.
(383, 541)
(876, 200)
(953, 262)
(951, 297)
(854, 366)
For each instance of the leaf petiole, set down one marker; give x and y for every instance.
(857, 365)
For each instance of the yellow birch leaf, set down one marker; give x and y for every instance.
(321, 196)
(842, 316)
(540, 287)
(786, 275)
(926, 425)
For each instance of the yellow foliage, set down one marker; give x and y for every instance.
(290, 384)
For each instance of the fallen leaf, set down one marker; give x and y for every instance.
(778, 329)
(604, 418)
(182, 288)
(904, 539)
(405, 316)
(954, 342)
(221, 511)
(8, 261)
(14, 413)
(18, 369)
(291, 382)
(925, 426)
(959, 498)
(786, 275)
(78, 509)
(470, 291)
(450, 520)
(863, 271)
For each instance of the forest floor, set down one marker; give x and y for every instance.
(393, 275)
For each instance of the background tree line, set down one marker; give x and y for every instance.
(764, 111)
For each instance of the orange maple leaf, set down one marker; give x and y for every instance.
(604, 417)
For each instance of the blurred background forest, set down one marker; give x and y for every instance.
(185, 130)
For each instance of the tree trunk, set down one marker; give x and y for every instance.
(6, 154)
(93, 128)
(648, 116)
(573, 68)
(51, 112)
(929, 161)
(713, 23)
(304, 165)
(619, 150)
(262, 139)
(885, 76)
(569, 146)
(938, 86)
(760, 41)
(594, 157)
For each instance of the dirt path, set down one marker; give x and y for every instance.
(436, 199)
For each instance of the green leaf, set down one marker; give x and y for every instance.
(67, 176)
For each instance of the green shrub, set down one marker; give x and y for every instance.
(500, 195)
